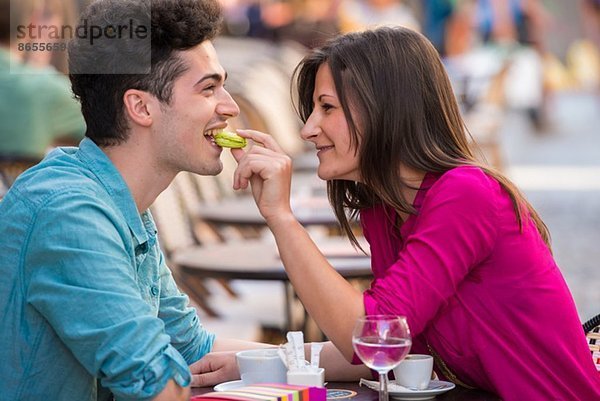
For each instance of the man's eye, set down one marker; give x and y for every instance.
(210, 88)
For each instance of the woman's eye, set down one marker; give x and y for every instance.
(326, 107)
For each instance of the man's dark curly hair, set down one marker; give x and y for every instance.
(174, 25)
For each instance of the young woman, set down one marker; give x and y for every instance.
(455, 247)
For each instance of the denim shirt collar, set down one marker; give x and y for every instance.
(110, 178)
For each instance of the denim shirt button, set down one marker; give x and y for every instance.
(154, 290)
(141, 249)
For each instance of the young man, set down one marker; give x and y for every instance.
(88, 306)
(89, 309)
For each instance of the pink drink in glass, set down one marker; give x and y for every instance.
(381, 354)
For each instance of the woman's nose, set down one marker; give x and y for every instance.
(310, 130)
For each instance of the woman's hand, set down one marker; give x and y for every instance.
(214, 368)
(268, 170)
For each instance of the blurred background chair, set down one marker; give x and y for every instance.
(180, 230)
(12, 166)
(176, 232)
(592, 330)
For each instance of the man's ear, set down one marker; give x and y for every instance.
(139, 106)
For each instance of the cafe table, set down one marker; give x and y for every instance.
(259, 260)
(242, 211)
(308, 200)
(365, 394)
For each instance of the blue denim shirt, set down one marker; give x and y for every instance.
(85, 295)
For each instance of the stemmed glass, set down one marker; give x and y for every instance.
(381, 342)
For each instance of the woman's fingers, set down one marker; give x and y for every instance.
(265, 164)
(237, 154)
(267, 146)
(261, 138)
(258, 160)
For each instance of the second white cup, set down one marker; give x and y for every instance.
(414, 372)
(261, 366)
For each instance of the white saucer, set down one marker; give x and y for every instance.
(400, 393)
(232, 385)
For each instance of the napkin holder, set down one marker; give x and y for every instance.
(308, 377)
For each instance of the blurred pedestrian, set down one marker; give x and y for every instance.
(436, 15)
(37, 107)
(512, 31)
(590, 15)
(315, 22)
(357, 15)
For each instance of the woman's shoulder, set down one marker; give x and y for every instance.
(465, 187)
(465, 179)
(468, 185)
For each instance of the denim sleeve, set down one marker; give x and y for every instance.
(187, 334)
(80, 275)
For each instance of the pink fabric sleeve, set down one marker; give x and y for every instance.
(454, 231)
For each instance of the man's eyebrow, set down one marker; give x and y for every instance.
(217, 77)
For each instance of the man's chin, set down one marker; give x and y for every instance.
(210, 170)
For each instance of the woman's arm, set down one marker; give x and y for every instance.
(337, 368)
(329, 299)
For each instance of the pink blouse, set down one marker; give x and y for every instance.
(489, 299)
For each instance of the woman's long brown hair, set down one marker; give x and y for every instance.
(397, 87)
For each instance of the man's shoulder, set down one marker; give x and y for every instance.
(57, 178)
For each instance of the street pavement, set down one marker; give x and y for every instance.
(558, 169)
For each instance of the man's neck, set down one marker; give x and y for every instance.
(140, 172)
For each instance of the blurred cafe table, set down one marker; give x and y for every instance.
(365, 394)
(242, 211)
(308, 200)
(259, 260)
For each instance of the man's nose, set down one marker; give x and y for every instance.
(227, 106)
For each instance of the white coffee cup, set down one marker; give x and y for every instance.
(414, 372)
(261, 366)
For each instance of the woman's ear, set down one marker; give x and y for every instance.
(139, 106)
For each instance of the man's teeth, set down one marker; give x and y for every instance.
(210, 134)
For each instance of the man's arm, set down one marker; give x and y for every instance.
(82, 281)
(231, 344)
(173, 392)
(220, 365)
(181, 322)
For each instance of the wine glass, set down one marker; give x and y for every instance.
(381, 342)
